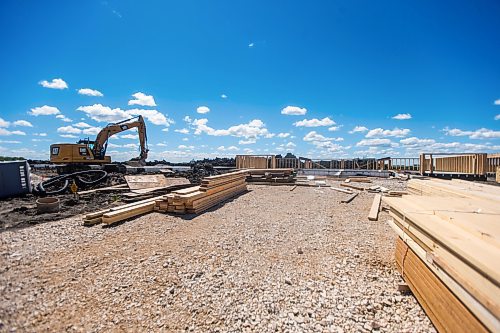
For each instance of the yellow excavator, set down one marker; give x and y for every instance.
(81, 155)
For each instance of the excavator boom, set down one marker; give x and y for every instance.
(101, 141)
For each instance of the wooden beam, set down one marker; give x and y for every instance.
(350, 198)
(125, 213)
(373, 215)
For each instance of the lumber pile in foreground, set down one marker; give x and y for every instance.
(212, 191)
(449, 251)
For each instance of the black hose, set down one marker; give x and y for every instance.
(76, 176)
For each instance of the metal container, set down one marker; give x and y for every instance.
(14, 179)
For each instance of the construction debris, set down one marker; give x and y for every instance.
(350, 198)
(352, 186)
(373, 215)
(338, 189)
(284, 175)
(448, 251)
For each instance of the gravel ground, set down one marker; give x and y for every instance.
(269, 260)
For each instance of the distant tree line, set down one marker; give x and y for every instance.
(10, 158)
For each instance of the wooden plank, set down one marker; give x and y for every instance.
(121, 187)
(138, 182)
(341, 190)
(293, 188)
(104, 211)
(373, 215)
(350, 198)
(482, 313)
(352, 186)
(125, 213)
(445, 310)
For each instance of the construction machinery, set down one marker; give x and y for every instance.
(71, 157)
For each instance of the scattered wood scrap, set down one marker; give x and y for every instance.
(352, 186)
(96, 217)
(350, 198)
(358, 180)
(373, 215)
(147, 183)
(293, 188)
(448, 251)
(338, 189)
(121, 187)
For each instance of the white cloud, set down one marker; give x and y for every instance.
(497, 102)
(232, 148)
(247, 142)
(315, 122)
(223, 96)
(221, 148)
(161, 144)
(5, 132)
(283, 135)
(482, 133)
(54, 84)
(82, 125)
(101, 113)
(314, 136)
(380, 132)
(22, 123)
(4, 123)
(182, 131)
(250, 45)
(185, 139)
(63, 118)
(153, 116)
(358, 129)
(497, 117)
(40, 134)
(254, 129)
(376, 142)
(402, 116)
(202, 109)
(90, 92)
(185, 147)
(91, 130)
(44, 111)
(130, 136)
(416, 142)
(187, 119)
(142, 99)
(71, 136)
(131, 146)
(69, 130)
(294, 111)
(334, 128)
(10, 141)
(290, 145)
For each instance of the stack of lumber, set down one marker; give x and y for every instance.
(119, 213)
(283, 175)
(449, 251)
(212, 191)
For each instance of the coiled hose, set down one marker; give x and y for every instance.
(40, 189)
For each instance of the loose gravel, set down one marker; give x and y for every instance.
(270, 260)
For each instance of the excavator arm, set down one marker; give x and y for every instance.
(101, 141)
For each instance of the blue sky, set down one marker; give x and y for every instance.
(323, 79)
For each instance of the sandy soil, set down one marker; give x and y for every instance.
(269, 260)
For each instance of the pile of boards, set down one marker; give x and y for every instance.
(212, 191)
(266, 176)
(448, 251)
